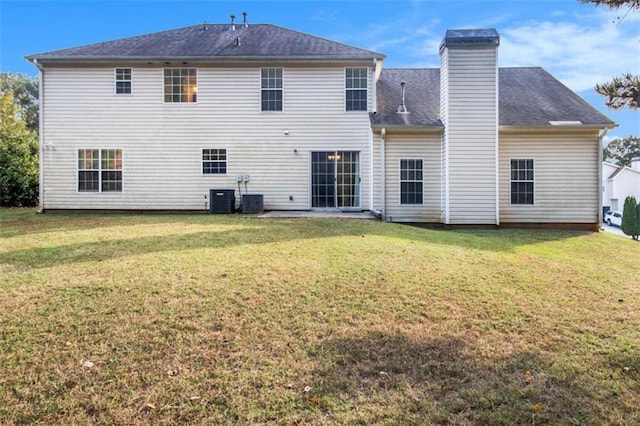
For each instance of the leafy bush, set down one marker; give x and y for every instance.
(631, 217)
(18, 157)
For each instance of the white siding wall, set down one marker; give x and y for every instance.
(608, 198)
(566, 183)
(426, 148)
(471, 135)
(626, 183)
(162, 143)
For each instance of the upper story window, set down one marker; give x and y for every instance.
(123, 81)
(214, 161)
(522, 181)
(411, 181)
(180, 85)
(271, 83)
(100, 170)
(356, 89)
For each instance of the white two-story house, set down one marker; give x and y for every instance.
(154, 122)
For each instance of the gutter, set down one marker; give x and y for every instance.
(262, 58)
(552, 128)
(401, 127)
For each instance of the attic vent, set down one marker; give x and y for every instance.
(245, 24)
(565, 123)
(402, 109)
(233, 23)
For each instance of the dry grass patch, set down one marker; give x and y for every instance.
(117, 319)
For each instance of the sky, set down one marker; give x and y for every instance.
(580, 44)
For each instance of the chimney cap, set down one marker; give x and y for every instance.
(487, 37)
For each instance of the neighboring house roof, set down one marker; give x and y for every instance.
(617, 172)
(619, 169)
(215, 41)
(527, 97)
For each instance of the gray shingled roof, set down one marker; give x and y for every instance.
(216, 42)
(527, 97)
(422, 98)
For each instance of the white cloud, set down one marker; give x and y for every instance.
(581, 47)
(581, 53)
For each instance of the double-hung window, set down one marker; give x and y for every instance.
(99, 170)
(214, 161)
(271, 83)
(356, 89)
(522, 181)
(180, 85)
(123, 81)
(411, 181)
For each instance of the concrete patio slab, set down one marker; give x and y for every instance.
(316, 214)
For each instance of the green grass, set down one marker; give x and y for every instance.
(169, 319)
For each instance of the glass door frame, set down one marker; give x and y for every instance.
(346, 175)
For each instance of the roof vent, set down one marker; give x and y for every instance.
(565, 123)
(402, 109)
(238, 42)
(233, 23)
(245, 24)
(205, 27)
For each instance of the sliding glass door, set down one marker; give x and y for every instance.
(335, 179)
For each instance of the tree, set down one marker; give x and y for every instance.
(615, 4)
(624, 90)
(18, 156)
(621, 151)
(25, 95)
(621, 91)
(631, 218)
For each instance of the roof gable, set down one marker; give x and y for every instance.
(215, 41)
(621, 169)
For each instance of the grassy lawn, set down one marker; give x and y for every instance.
(169, 319)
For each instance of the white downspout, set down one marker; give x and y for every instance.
(497, 142)
(383, 168)
(40, 136)
(601, 136)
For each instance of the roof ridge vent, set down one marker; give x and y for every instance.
(402, 109)
(245, 24)
(233, 23)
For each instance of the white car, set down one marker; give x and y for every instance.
(612, 218)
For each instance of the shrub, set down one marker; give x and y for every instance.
(18, 157)
(630, 218)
